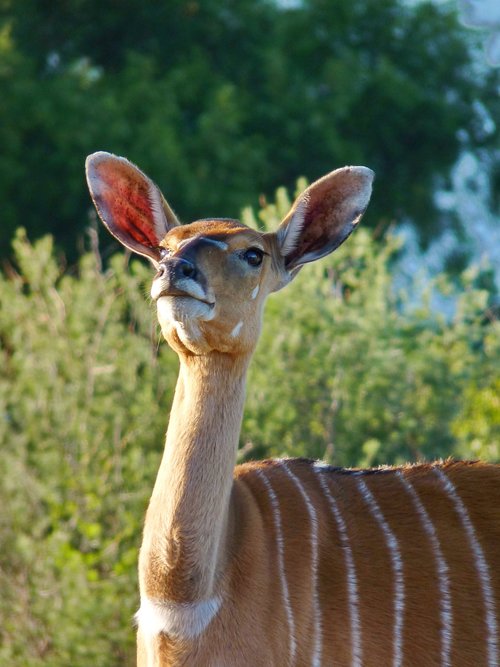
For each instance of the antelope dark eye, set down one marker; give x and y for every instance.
(253, 256)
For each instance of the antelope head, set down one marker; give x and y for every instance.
(213, 275)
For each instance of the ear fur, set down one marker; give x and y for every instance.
(324, 215)
(129, 203)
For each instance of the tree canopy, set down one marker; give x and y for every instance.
(222, 101)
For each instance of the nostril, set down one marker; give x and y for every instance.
(161, 271)
(188, 270)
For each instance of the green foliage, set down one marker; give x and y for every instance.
(222, 101)
(346, 370)
(361, 375)
(83, 406)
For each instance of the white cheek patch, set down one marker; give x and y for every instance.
(255, 292)
(236, 330)
(185, 620)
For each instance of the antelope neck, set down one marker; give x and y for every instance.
(186, 530)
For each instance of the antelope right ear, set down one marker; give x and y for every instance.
(323, 216)
(129, 203)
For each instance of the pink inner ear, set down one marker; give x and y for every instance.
(322, 234)
(124, 200)
(335, 205)
(312, 235)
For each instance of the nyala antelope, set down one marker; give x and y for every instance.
(288, 562)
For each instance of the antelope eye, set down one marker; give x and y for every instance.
(253, 256)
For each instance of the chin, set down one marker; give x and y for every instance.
(183, 309)
(184, 316)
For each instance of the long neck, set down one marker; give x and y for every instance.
(186, 529)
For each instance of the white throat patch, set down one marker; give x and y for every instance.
(176, 619)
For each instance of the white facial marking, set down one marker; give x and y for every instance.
(313, 519)
(280, 543)
(255, 292)
(481, 566)
(236, 330)
(352, 581)
(397, 568)
(188, 285)
(192, 288)
(176, 619)
(446, 609)
(183, 309)
(219, 244)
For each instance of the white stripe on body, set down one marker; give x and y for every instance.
(481, 566)
(397, 567)
(316, 658)
(352, 581)
(281, 563)
(445, 607)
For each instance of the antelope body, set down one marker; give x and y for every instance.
(288, 562)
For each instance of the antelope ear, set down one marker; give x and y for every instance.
(129, 203)
(324, 215)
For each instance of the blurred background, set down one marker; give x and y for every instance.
(386, 352)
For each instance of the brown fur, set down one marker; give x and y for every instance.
(251, 627)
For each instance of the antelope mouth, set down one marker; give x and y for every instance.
(175, 293)
(183, 308)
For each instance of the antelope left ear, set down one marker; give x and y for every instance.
(324, 215)
(129, 203)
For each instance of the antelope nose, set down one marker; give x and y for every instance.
(177, 268)
(183, 268)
